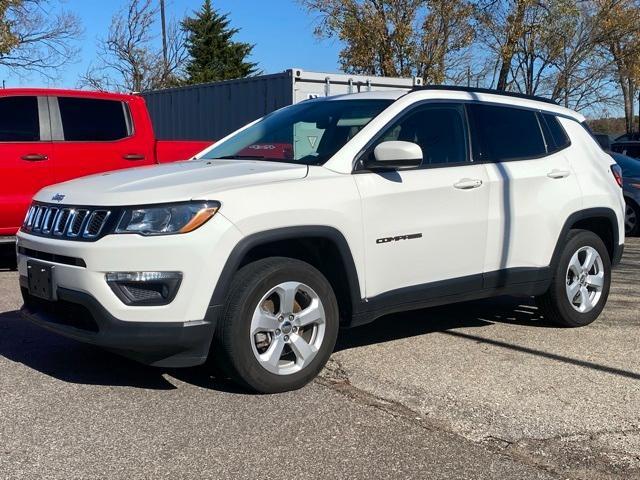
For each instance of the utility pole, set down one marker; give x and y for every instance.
(164, 39)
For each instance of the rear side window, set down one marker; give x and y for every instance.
(19, 119)
(506, 133)
(558, 137)
(439, 129)
(92, 120)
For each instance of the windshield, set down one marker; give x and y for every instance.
(630, 166)
(309, 132)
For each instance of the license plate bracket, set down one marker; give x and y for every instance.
(40, 278)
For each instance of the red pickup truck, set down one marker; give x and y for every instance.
(49, 136)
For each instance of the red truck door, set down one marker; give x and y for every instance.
(25, 156)
(93, 135)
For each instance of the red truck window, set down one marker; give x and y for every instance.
(19, 119)
(93, 120)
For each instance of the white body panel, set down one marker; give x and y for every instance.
(591, 165)
(171, 182)
(527, 206)
(423, 202)
(322, 198)
(512, 219)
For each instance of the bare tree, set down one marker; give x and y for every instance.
(501, 25)
(379, 35)
(397, 37)
(36, 38)
(557, 55)
(620, 38)
(447, 31)
(8, 40)
(581, 77)
(128, 58)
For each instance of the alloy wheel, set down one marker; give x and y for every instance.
(287, 328)
(585, 279)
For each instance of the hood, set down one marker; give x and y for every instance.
(191, 180)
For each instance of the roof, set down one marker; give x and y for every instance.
(467, 94)
(491, 91)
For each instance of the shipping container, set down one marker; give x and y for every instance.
(210, 111)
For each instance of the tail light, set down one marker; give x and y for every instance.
(617, 174)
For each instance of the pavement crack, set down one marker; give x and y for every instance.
(336, 377)
(545, 454)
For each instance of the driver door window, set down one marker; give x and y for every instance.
(439, 130)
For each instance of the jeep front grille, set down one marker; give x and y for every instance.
(66, 222)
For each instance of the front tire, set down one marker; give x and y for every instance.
(581, 282)
(279, 325)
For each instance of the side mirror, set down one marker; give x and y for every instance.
(397, 155)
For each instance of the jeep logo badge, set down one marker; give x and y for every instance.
(58, 197)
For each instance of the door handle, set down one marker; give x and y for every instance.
(468, 184)
(555, 173)
(133, 156)
(34, 157)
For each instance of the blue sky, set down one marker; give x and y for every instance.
(281, 30)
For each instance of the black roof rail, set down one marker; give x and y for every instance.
(457, 88)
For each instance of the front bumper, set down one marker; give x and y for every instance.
(79, 316)
(177, 334)
(82, 266)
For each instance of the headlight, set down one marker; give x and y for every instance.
(166, 219)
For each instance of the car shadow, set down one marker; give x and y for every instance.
(75, 362)
(7, 256)
(452, 319)
(480, 313)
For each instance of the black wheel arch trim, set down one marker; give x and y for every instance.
(587, 214)
(254, 240)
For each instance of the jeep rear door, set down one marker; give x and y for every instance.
(25, 156)
(426, 227)
(93, 135)
(533, 188)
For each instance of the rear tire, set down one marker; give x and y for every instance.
(632, 219)
(279, 325)
(581, 282)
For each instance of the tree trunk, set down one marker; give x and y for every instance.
(514, 28)
(628, 96)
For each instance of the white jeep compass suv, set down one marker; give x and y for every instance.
(331, 212)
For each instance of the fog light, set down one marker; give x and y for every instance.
(145, 288)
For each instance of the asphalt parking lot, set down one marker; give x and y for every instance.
(478, 390)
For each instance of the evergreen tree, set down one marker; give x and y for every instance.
(213, 53)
